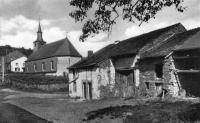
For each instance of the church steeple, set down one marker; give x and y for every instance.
(39, 28)
(39, 32)
(39, 41)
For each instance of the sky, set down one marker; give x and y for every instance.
(19, 23)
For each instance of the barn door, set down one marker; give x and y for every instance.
(126, 79)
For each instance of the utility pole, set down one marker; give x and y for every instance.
(3, 68)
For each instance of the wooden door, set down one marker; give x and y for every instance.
(126, 80)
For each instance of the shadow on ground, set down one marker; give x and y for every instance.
(192, 114)
(156, 112)
(13, 114)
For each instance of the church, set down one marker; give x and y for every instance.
(52, 58)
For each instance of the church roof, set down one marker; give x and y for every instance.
(59, 48)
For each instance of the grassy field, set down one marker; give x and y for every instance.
(60, 109)
(112, 110)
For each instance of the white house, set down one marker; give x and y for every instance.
(15, 61)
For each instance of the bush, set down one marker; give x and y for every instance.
(36, 79)
(106, 91)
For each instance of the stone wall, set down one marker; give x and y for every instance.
(170, 78)
(168, 81)
(38, 63)
(149, 83)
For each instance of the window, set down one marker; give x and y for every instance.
(159, 70)
(64, 74)
(17, 69)
(27, 69)
(23, 64)
(52, 65)
(147, 85)
(16, 64)
(74, 87)
(43, 66)
(35, 67)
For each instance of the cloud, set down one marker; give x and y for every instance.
(97, 38)
(20, 23)
(144, 28)
(91, 43)
(20, 39)
(48, 9)
(190, 23)
(20, 31)
(53, 34)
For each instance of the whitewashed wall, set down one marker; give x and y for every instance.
(64, 62)
(18, 63)
(98, 76)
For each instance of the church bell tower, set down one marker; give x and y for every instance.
(39, 41)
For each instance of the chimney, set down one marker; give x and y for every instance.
(90, 53)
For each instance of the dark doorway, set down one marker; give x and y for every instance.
(159, 70)
(90, 90)
(84, 90)
(87, 90)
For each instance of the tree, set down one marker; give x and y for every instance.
(108, 11)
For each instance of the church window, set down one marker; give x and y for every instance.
(35, 67)
(43, 66)
(52, 65)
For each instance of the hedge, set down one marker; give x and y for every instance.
(36, 79)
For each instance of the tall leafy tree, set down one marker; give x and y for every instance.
(108, 11)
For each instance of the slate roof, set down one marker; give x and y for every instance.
(13, 56)
(59, 48)
(134, 44)
(192, 42)
(97, 57)
(129, 46)
(184, 40)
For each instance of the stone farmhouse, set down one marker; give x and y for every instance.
(121, 64)
(52, 58)
(90, 73)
